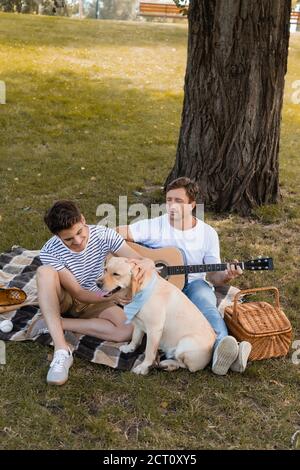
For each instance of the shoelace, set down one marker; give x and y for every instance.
(58, 362)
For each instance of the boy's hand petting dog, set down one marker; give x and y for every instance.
(120, 299)
(142, 266)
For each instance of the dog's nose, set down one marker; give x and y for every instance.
(99, 283)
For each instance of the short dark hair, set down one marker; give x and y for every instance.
(62, 215)
(191, 187)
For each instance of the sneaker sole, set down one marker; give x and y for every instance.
(49, 382)
(242, 359)
(227, 353)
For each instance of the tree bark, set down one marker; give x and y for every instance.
(230, 128)
(81, 9)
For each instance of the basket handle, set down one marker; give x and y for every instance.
(251, 291)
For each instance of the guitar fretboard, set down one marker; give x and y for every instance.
(199, 268)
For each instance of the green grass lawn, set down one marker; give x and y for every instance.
(93, 112)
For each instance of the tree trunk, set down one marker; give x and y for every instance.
(229, 136)
(81, 9)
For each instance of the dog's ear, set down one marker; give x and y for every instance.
(135, 285)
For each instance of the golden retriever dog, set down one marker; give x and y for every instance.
(171, 321)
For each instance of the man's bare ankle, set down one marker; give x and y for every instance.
(61, 346)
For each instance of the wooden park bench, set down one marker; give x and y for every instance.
(160, 10)
(295, 20)
(172, 11)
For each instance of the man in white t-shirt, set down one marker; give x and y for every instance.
(200, 244)
(73, 259)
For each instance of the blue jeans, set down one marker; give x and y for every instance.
(202, 295)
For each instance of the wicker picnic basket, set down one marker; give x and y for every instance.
(266, 327)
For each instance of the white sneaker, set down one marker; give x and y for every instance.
(59, 367)
(224, 355)
(240, 363)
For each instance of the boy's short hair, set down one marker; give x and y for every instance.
(191, 187)
(62, 215)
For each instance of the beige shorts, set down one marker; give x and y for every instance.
(83, 310)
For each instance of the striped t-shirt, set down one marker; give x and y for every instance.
(87, 265)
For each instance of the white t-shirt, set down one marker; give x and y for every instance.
(88, 264)
(200, 243)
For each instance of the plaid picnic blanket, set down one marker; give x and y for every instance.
(18, 268)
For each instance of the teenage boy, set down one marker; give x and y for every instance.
(73, 259)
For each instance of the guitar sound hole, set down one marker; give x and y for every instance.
(163, 271)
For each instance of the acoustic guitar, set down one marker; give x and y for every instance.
(172, 267)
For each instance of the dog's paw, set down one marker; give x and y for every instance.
(169, 365)
(141, 370)
(127, 348)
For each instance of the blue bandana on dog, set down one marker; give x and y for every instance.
(139, 300)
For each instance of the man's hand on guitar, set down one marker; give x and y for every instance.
(232, 271)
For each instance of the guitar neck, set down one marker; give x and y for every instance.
(170, 261)
(199, 268)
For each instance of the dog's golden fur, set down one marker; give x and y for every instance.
(170, 320)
